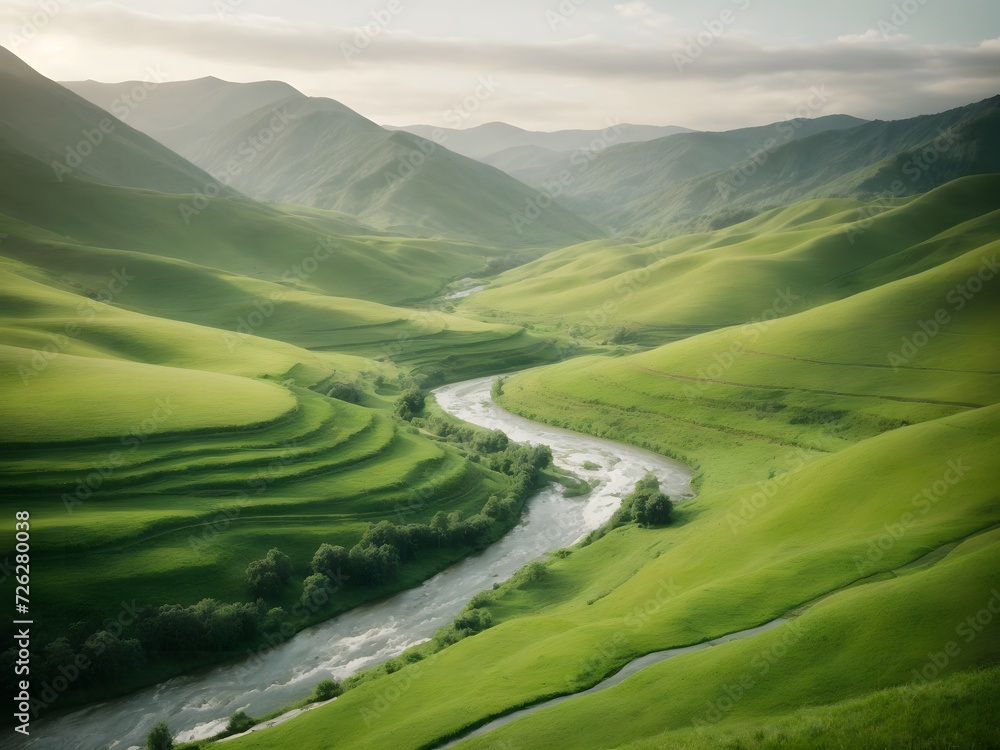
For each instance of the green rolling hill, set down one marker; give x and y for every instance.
(72, 137)
(786, 260)
(715, 179)
(857, 498)
(179, 114)
(190, 377)
(169, 358)
(316, 152)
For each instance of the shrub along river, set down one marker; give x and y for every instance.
(199, 705)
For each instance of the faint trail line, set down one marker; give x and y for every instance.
(693, 379)
(859, 364)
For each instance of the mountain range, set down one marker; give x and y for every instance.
(277, 145)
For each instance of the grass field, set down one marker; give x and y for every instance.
(830, 369)
(785, 261)
(837, 483)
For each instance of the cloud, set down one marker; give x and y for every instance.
(876, 77)
(633, 10)
(872, 36)
(647, 17)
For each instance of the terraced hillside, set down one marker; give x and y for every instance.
(850, 490)
(189, 380)
(131, 509)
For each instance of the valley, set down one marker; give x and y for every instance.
(495, 436)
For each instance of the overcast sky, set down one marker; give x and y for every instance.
(547, 64)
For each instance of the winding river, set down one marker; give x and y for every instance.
(198, 706)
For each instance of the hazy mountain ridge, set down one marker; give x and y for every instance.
(643, 188)
(317, 152)
(483, 141)
(73, 136)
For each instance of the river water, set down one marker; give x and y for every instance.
(198, 706)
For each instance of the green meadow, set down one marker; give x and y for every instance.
(190, 382)
(845, 481)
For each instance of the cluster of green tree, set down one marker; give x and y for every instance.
(385, 546)
(410, 402)
(645, 506)
(89, 658)
(83, 660)
(267, 577)
(474, 618)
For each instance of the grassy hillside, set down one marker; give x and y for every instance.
(325, 155)
(179, 114)
(784, 261)
(884, 159)
(630, 172)
(855, 497)
(69, 135)
(483, 142)
(50, 286)
(708, 180)
(279, 146)
(300, 249)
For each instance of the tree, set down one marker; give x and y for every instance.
(475, 620)
(648, 482)
(659, 509)
(646, 505)
(330, 561)
(159, 737)
(239, 722)
(282, 564)
(112, 656)
(409, 403)
(267, 577)
(262, 579)
(493, 441)
(540, 456)
(316, 590)
(326, 690)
